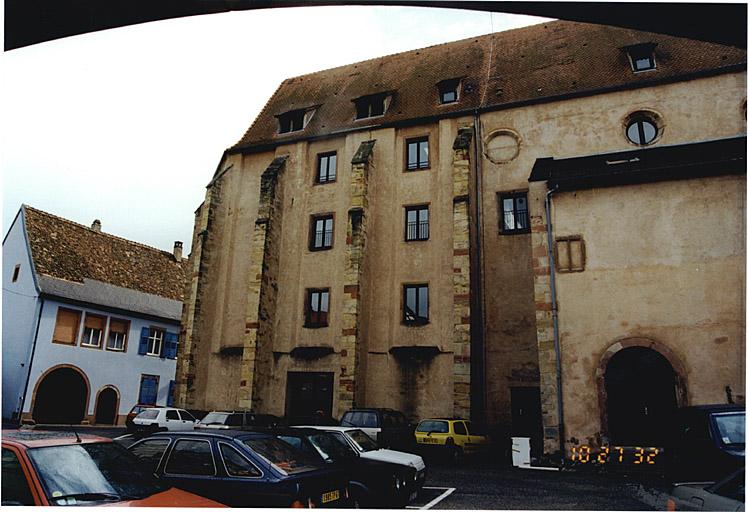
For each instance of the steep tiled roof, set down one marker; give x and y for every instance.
(534, 63)
(69, 251)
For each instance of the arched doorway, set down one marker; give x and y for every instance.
(641, 396)
(107, 403)
(61, 396)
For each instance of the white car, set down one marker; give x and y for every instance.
(368, 448)
(162, 419)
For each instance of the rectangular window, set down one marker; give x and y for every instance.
(317, 307)
(514, 215)
(641, 56)
(117, 339)
(191, 457)
(66, 326)
(93, 330)
(148, 390)
(326, 167)
(16, 271)
(416, 304)
(321, 232)
(448, 91)
(155, 341)
(292, 121)
(416, 223)
(570, 254)
(417, 153)
(371, 106)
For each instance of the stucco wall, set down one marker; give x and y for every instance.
(664, 262)
(102, 367)
(20, 313)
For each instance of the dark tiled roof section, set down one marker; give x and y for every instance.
(66, 250)
(526, 64)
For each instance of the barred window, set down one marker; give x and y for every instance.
(317, 307)
(416, 223)
(417, 153)
(321, 233)
(514, 215)
(416, 304)
(326, 167)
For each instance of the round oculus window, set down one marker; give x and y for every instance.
(502, 146)
(641, 130)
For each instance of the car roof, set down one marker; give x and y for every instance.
(337, 428)
(380, 409)
(38, 438)
(227, 434)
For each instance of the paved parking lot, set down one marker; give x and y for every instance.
(477, 484)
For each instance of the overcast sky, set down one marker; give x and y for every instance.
(127, 125)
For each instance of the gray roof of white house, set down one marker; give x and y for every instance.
(111, 296)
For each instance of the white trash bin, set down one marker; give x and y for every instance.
(520, 451)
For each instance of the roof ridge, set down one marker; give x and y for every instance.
(390, 55)
(82, 226)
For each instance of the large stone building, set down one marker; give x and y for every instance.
(380, 237)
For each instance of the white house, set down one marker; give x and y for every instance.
(90, 321)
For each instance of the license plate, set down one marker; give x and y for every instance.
(429, 440)
(330, 496)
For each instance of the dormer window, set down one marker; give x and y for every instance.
(449, 90)
(294, 120)
(641, 56)
(372, 105)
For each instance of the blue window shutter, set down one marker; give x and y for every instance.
(143, 347)
(148, 390)
(170, 345)
(170, 396)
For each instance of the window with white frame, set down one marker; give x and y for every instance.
(117, 339)
(93, 330)
(155, 341)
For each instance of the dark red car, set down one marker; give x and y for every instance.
(61, 468)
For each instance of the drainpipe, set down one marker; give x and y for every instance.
(554, 312)
(31, 361)
(479, 389)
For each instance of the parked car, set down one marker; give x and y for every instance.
(162, 419)
(372, 483)
(368, 449)
(707, 443)
(727, 494)
(137, 409)
(311, 419)
(452, 437)
(241, 469)
(237, 420)
(387, 427)
(60, 468)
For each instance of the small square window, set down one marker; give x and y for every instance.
(117, 338)
(16, 271)
(417, 153)
(641, 56)
(317, 308)
(449, 91)
(416, 304)
(514, 215)
(372, 105)
(321, 233)
(416, 223)
(326, 167)
(292, 121)
(570, 254)
(66, 326)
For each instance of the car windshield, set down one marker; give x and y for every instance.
(280, 455)
(441, 427)
(330, 448)
(215, 418)
(731, 428)
(79, 474)
(362, 440)
(148, 414)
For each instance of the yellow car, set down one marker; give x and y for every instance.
(453, 437)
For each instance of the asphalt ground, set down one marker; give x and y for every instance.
(479, 484)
